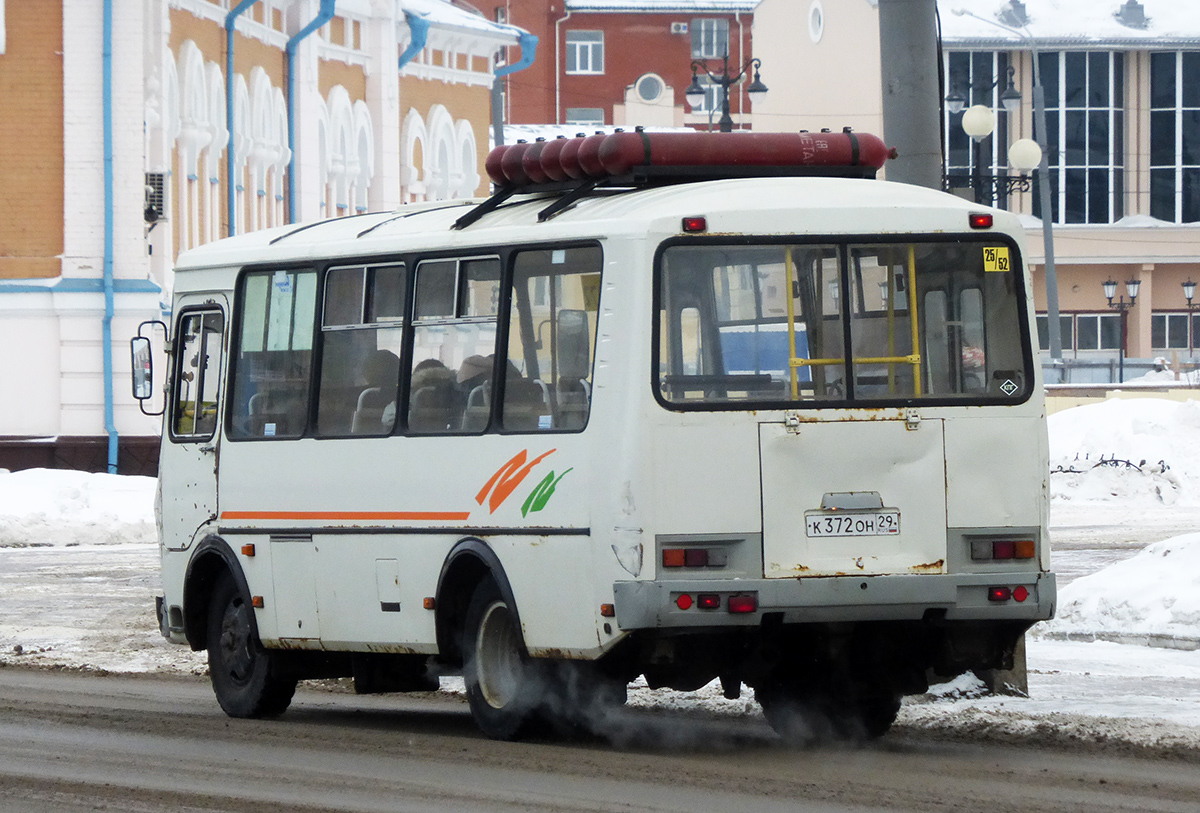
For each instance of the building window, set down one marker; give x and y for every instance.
(585, 116)
(975, 76)
(1169, 331)
(710, 38)
(649, 88)
(585, 52)
(1098, 331)
(1085, 121)
(1175, 136)
(1066, 331)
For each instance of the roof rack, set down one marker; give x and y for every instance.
(573, 168)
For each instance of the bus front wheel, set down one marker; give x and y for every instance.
(504, 685)
(243, 673)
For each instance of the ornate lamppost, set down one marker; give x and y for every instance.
(1110, 290)
(695, 94)
(1189, 291)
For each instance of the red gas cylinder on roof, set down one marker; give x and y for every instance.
(622, 152)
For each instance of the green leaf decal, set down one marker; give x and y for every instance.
(542, 493)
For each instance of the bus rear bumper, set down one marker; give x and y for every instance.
(705, 603)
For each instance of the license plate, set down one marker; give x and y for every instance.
(852, 523)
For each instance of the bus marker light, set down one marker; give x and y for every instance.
(696, 557)
(429, 603)
(1025, 549)
(708, 601)
(999, 593)
(257, 602)
(692, 225)
(1004, 549)
(980, 221)
(743, 604)
(608, 611)
(248, 549)
(1020, 593)
(684, 601)
(673, 557)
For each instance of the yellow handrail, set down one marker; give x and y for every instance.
(791, 308)
(914, 359)
(912, 317)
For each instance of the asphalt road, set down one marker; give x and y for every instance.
(72, 742)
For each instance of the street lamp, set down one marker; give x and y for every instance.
(695, 94)
(1189, 291)
(1110, 290)
(979, 121)
(1053, 326)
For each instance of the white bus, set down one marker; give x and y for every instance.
(785, 432)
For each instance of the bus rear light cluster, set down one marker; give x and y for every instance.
(694, 557)
(999, 594)
(738, 604)
(983, 550)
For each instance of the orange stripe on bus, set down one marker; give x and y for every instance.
(348, 515)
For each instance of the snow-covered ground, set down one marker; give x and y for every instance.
(1121, 662)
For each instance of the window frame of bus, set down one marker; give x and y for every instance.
(843, 243)
(177, 360)
(234, 350)
(507, 306)
(368, 320)
(458, 304)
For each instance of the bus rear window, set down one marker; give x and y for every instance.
(771, 323)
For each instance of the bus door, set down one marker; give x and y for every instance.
(187, 468)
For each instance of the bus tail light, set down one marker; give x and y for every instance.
(983, 550)
(683, 601)
(743, 604)
(694, 557)
(999, 593)
(1020, 593)
(980, 220)
(674, 557)
(708, 601)
(694, 225)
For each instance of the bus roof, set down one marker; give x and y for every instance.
(748, 206)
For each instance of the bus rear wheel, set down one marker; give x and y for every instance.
(504, 685)
(244, 675)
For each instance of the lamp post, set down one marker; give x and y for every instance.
(1054, 329)
(979, 121)
(1189, 291)
(1110, 290)
(695, 94)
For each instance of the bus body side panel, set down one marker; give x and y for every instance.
(353, 559)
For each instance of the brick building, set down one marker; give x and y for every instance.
(128, 139)
(626, 62)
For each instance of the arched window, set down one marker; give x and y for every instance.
(413, 139)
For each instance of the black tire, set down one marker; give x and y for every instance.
(243, 673)
(504, 685)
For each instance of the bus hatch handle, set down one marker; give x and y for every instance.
(791, 422)
(912, 420)
(210, 448)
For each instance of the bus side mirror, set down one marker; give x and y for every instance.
(142, 368)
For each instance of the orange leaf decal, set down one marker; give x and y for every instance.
(507, 478)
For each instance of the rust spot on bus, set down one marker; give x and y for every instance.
(931, 567)
(393, 649)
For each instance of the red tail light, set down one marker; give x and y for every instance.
(708, 601)
(999, 593)
(980, 221)
(743, 604)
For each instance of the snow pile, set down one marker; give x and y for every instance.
(45, 507)
(1155, 593)
(1138, 453)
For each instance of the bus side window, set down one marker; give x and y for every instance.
(552, 340)
(362, 326)
(273, 348)
(198, 375)
(454, 345)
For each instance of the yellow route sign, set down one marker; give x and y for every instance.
(995, 258)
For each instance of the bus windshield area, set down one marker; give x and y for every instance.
(927, 321)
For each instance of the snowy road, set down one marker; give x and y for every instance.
(72, 742)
